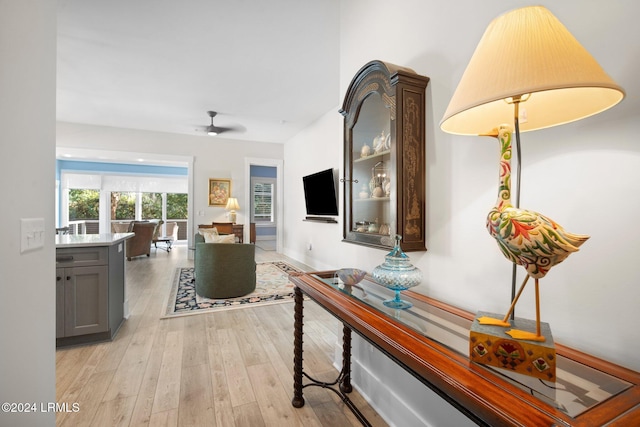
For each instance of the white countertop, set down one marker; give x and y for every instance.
(80, 240)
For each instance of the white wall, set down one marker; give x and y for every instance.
(585, 175)
(311, 151)
(27, 120)
(213, 157)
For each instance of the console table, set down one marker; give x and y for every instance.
(431, 341)
(227, 228)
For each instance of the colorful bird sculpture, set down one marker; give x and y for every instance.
(526, 238)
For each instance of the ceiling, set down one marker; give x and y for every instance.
(268, 68)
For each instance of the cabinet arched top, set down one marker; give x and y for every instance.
(381, 77)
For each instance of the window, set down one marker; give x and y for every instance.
(84, 211)
(83, 204)
(123, 206)
(91, 202)
(177, 211)
(129, 206)
(151, 206)
(177, 205)
(263, 197)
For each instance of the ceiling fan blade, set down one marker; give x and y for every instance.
(216, 130)
(222, 129)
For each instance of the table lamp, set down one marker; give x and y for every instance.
(232, 205)
(528, 72)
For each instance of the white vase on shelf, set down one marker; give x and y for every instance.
(365, 151)
(364, 192)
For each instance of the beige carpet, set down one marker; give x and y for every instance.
(272, 287)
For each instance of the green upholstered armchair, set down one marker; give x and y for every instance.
(224, 270)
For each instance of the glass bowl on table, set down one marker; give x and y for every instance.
(350, 277)
(398, 274)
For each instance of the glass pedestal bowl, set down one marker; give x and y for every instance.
(349, 279)
(398, 274)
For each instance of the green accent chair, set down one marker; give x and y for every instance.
(224, 270)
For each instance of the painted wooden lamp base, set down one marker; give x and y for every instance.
(490, 345)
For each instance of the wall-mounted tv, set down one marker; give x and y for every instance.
(320, 193)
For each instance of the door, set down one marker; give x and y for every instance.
(86, 293)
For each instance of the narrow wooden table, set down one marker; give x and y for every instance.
(431, 341)
(238, 230)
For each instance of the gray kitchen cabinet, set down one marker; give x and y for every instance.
(89, 291)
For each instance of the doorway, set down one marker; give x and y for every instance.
(263, 195)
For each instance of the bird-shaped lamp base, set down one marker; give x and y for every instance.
(526, 238)
(516, 333)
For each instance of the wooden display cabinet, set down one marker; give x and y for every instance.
(384, 157)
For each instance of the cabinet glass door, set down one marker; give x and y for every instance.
(372, 169)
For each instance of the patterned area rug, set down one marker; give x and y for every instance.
(272, 287)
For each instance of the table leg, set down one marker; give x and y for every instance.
(298, 400)
(345, 383)
(344, 378)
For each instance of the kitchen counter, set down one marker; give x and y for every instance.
(87, 240)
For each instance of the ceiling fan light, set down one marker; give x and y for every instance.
(211, 131)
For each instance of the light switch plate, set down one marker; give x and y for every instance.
(31, 234)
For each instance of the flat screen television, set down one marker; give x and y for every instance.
(320, 194)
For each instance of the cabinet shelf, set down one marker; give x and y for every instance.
(369, 233)
(372, 199)
(370, 157)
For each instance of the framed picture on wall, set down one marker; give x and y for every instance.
(219, 191)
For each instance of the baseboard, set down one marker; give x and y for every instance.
(304, 258)
(397, 396)
(387, 404)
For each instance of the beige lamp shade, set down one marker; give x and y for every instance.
(232, 204)
(528, 53)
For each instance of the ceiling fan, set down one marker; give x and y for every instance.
(213, 130)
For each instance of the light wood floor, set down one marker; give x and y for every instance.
(231, 368)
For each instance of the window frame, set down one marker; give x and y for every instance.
(255, 180)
